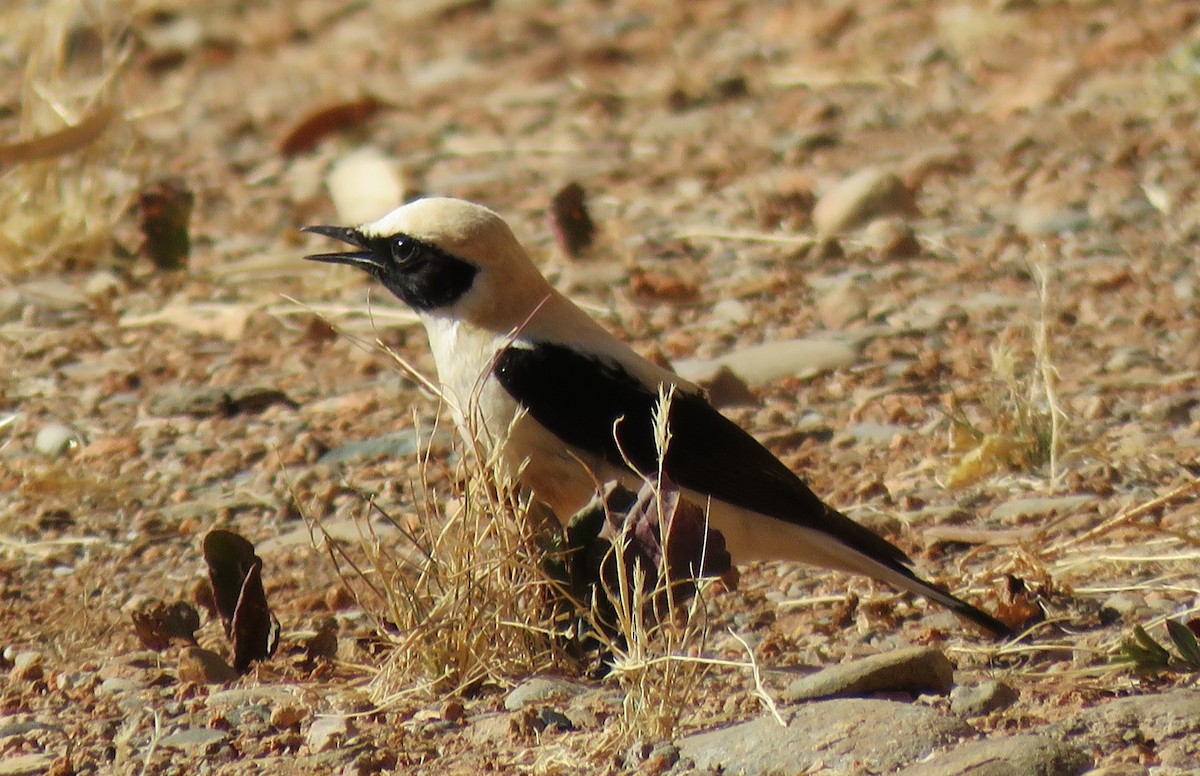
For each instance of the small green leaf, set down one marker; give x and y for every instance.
(1143, 650)
(1185, 642)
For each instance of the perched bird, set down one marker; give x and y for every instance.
(573, 407)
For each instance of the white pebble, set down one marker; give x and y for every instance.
(54, 439)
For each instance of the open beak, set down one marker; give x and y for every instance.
(364, 259)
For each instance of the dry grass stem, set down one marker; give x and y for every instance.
(64, 180)
(1130, 516)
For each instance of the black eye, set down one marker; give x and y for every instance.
(405, 251)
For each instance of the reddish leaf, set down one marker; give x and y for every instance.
(165, 209)
(236, 575)
(156, 623)
(573, 226)
(312, 129)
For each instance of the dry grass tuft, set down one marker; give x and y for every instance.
(468, 600)
(1021, 424)
(64, 154)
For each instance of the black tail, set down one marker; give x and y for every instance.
(963, 609)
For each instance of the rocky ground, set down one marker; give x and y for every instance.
(946, 252)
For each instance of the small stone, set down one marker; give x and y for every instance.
(541, 689)
(11, 305)
(770, 361)
(328, 732)
(28, 667)
(1037, 507)
(203, 666)
(1036, 220)
(553, 719)
(844, 735)
(54, 439)
(891, 238)
(1025, 754)
(973, 701)
(842, 305)
(119, 685)
(662, 758)
(364, 185)
(288, 715)
(732, 311)
(102, 285)
(453, 710)
(726, 389)
(194, 738)
(26, 765)
(864, 196)
(920, 669)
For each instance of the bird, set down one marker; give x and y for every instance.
(567, 406)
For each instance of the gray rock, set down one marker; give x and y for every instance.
(725, 389)
(194, 738)
(842, 305)
(846, 735)
(399, 445)
(770, 361)
(891, 238)
(11, 305)
(267, 694)
(971, 701)
(53, 295)
(860, 198)
(1026, 755)
(207, 400)
(1040, 220)
(26, 764)
(54, 439)
(874, 433)
(24, 727)
(204, 666)
(102, 284)
(120, 685)
(1033, 507)
(541, 689)
(1159, 717)
(327, 732)
(920, 669)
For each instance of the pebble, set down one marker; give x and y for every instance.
(364, 185)
(55, 439)
(844, 735)
(328, 732)
(282, 695)
(102, 284)
(26, 765)
(1025, 755)
(27, 667)
(733, 311)
(1037, 220)
(119, 685)
(194, 738)
(864, 196)
(920, 669)
(972, 701)
(891, 238)
(1036, 507)
(842, 305)
(540, 689)
(770, 361)
(397, 445)
(726, 389)
(204, 667)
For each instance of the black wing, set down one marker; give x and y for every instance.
(579, 398)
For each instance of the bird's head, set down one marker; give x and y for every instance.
(440, 255)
